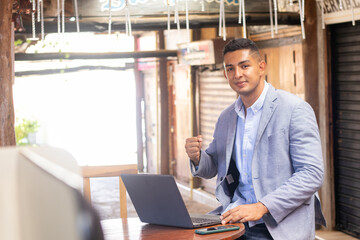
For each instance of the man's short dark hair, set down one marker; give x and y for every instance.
(239, 44)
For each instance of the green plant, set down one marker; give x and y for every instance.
(23, 127)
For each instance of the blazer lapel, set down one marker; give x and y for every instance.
(268, 110)
(230, 136)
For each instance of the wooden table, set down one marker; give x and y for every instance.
(133, 228)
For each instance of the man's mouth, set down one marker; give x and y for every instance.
(241, 83)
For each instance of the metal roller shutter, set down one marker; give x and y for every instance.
(346, 93)
(215, 95)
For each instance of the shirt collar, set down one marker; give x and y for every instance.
(256, 106)
(260, 101)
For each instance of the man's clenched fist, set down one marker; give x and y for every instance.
(193, 147)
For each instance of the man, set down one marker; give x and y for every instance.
(266, 153)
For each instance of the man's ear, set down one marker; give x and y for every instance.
(262, 66)
(225, 75)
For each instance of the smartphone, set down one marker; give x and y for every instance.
(217, 229)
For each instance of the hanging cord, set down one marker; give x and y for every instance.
(271, 19)
(128, 20)
(244, 18)
(176, 19)
(220, 19)
(58, 16)
(352, 12)
(303, 10)
(42, 20)
(240, 4)
(276, 16)
(110, 20)
(168, 15)
(33, 19)
(223, 21)
(301, 21)
(322, 15)
(187, 23)
(63, 16)
(222, 25)
(77, 16)
(38, 11)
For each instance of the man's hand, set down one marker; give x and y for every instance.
(193, 147)
(244, 213)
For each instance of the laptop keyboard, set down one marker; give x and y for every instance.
(197, 220)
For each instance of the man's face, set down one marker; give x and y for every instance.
(244, 71)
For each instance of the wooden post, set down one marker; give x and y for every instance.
(318, 85)
(139, 85)
(310, 56)
(7, 133)
(164, 109)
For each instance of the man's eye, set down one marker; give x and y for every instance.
(229, 69)
(244, 66)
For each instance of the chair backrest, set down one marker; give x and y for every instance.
(40, 196)
(108, 171)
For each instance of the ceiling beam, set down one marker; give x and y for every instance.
(68, 56)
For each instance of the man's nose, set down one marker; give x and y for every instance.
(238, 72)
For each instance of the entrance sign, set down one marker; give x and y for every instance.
(333, 13)
(196, 53)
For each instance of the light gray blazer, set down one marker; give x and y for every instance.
(287, 165)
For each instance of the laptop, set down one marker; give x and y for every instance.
(157, 200)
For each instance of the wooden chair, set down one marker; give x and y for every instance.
(108, 171)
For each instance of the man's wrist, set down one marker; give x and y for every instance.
(263, 208)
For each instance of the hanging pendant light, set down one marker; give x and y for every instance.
(340, 5)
